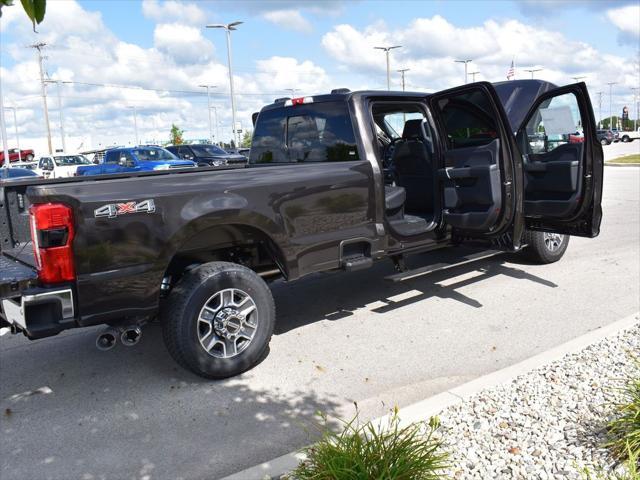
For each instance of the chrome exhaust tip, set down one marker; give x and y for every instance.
(107, 339)
(130, 336)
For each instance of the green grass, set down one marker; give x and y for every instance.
(632, 471)
(369, 452)
(624, 429)
(635, 158)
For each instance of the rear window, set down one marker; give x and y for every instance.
(319, 132)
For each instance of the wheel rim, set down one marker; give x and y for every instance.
(553, 241)
(227, 323)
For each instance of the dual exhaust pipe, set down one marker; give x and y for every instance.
(129, 336)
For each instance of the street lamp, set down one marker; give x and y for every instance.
(215, 114)
(229, 27)
(135, 123)
(466, 63)
(611, 84)
(402, 72)
(473, 76)
(209, 109)
(386, 51)
(292, 90)
(60, 112)
(15, 126)
(637, 105)
(577, 79)
(533, 70)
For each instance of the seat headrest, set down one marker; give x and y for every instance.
(414, 129)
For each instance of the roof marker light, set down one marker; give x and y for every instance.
(298, 101)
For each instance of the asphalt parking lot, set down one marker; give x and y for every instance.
(71, 411)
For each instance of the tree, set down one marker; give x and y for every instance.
(175, 136)
(246, 139)
(35, 9)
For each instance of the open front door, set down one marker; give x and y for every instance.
(563, 163)
(481, 180)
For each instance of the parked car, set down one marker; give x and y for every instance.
(27, 165)
(605, 137)
(616, 134)
(60, 166)
(206, 155)
(629, 136)
(196, 247)
(135, 159)
(14, 174)
(16, 155)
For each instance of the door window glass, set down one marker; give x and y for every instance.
(556, 122)
(112, 157)
(469, 119)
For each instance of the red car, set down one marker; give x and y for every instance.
(16, 155)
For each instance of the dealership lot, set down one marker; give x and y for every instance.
(75, 412)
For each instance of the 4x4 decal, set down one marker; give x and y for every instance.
(113, 210)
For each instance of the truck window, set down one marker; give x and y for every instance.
(556, 122)
(304, 133)
(112, 157)
(468, 120)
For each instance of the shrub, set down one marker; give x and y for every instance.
(368, 452)
(624, 429)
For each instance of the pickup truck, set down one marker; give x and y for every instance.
(60, 166)
(629, 135)
(138, 159)
(17, 155)
(334, 182)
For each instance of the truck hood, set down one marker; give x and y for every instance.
(517, 97)
(229, 157)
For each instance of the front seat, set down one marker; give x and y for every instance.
(414, 171)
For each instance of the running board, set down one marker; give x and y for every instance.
(438, 267)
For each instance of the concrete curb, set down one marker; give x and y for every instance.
(431, 406)
(614, 164)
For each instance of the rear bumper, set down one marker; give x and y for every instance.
(39, 312)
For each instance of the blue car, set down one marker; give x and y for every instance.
(135, 159)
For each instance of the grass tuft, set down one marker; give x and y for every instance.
(371, 452)
(624, 428)
(634, 158)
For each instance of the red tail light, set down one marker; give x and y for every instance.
(52, 233)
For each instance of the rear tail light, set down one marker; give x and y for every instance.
(52, 233)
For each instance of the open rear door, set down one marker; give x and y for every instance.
(481, 177)
(563, 163)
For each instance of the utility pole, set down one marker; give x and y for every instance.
(532, 71)
(473, 76)
(39, 47)
(599, 109)
(3, 129)
(611, 84)
(60, 113)
(215, 118)
(15, 127)
(466, 63)
(135, 123)
(386, 51)
(229, 27)
(209, 110)
(402, 72)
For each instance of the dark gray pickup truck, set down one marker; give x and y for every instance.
(334, 182)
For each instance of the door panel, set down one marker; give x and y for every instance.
(562, 166)
(481, 180)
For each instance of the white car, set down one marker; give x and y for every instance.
(60, 166)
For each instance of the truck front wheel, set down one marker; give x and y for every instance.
(545, 247)
(219, 320)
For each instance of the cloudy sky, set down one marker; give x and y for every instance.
(154, 54)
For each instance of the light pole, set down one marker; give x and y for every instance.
(402, 72)
(215, 115)
(473, 76)
(135, 123)
(60, 112)
(15, 126)
(611, 84)
(39, 47)
(3, 130)
(466, 63)
(209, 109)
(599, 109)
(229, 27)
(637, 105)
(292, 90)
(577, 79)
(532, 71)
(386, 51)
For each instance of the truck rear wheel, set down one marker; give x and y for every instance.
(219, 320)
(544, 247)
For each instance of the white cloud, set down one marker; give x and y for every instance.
(627, 20)
(290, 19)
(173, 11)
(184, 44)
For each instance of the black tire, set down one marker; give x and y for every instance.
(604, 141)
(180, 324)
(626, 139)
(541, 251)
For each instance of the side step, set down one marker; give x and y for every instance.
(438, 267)
(356, 262)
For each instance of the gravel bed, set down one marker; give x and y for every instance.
(546, 424)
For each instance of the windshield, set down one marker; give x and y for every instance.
(206, 150)
(71, 160)
(154, 154)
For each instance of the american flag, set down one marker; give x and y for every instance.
(511, 73)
